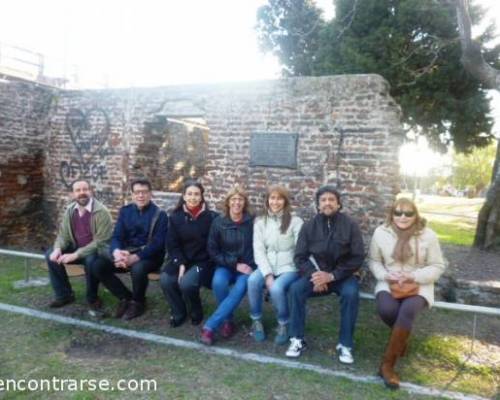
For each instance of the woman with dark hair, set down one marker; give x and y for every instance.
(274, 237)
(189, 266)
(406, 260)
(230, 248)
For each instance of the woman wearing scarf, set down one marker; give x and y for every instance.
(406, 260)
(189, 266)
(275, 234)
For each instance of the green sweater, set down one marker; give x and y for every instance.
(101, 226)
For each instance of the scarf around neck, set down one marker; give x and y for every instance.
(402, 250)
(195, 211)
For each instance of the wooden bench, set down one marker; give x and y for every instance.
(79, 270)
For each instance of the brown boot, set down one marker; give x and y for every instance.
(405, 350)
(395, 348)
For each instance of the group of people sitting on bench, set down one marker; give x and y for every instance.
(234, 254)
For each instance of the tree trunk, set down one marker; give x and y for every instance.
(488, 223)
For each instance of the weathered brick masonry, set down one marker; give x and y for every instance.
(348, 128)
(25, 111)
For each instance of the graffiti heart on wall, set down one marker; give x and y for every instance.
(89, 132)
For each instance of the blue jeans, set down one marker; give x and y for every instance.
(227, 298)
(278, 294)
(347, 289)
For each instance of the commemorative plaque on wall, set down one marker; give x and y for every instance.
(273, 149)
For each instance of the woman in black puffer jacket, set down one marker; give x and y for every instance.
(189, 266)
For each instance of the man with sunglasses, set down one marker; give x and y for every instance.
(138, 247)
(329, 251)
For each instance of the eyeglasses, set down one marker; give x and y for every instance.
(398, 213)
(140, 192)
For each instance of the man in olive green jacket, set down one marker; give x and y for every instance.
(83, 236)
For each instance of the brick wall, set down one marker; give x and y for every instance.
(348, 133)
(25, 111)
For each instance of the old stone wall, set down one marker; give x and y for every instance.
(348, 132)
(25, 111)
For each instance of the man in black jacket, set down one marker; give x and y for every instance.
(329, 251)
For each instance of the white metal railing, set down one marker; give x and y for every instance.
(438, 304)
(21, 62)
(29, 65)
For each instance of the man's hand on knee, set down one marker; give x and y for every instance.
(68, 258)
(132, 259)
(320, 288)
(320, 278)
(55, 255)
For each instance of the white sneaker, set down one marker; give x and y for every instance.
(297, 346)
(345, 354)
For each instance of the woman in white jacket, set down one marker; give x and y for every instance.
(406, 260)
(274, 236)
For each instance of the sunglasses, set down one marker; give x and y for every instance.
(408, 214)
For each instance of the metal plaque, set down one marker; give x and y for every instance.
(273, 149)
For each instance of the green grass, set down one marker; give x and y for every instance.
(452, 218)
(179, 373)
(457, 232)
(438, 355)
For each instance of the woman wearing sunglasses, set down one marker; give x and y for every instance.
(406, 260)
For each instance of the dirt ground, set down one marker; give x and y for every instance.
(472, 264)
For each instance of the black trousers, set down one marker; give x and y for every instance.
(104, 270)
(59, 278)
(188, 290)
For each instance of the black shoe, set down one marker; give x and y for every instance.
(96, 310)
(121, 309)
(62, 302)
(174, 323)
(96, 305)
(196, 318)
(134, 310)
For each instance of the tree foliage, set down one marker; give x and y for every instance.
(414, 44)
(474, 170)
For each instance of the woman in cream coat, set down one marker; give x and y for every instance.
(406, 260)
(274, 236)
